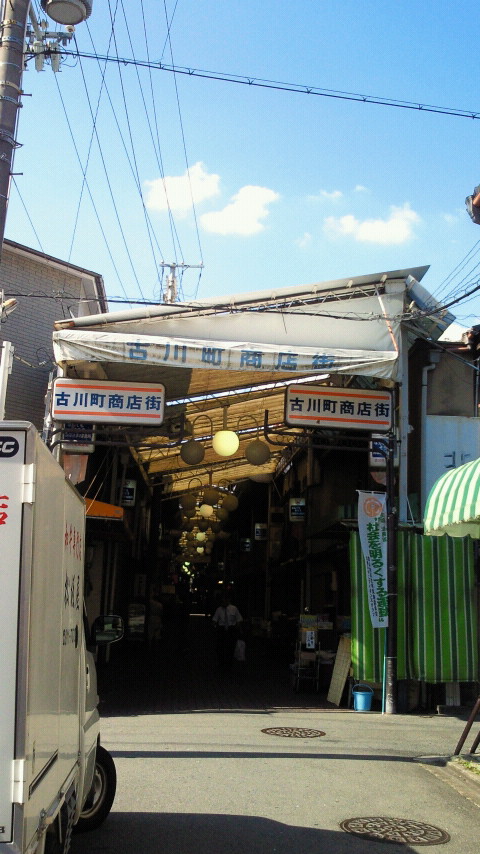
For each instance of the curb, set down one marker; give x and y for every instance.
(451, 770)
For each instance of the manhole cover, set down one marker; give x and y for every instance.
(293, 732)
(395, 830)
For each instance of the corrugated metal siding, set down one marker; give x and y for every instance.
(30, 329)
(437, 626)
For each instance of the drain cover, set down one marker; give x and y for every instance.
(293, 732)
(395, 830)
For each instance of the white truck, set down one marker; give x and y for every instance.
(54, 775)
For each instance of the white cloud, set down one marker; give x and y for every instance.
(180, 192)
(395, 230)
(450, 219)
(243, 214)
(360, 189)
(303, 241)
(332, 195)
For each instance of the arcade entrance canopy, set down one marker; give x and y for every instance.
(230, 359)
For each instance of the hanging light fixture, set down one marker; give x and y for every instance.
(229, 502)
(256, 452)
(210, 495)
(188, 501)
(193, 452)
(205, 510)
(225, 442)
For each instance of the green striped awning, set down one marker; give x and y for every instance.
(437, 625)
(453, 506)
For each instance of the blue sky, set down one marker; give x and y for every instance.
(287, 188)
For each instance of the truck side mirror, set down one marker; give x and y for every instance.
(107, 628)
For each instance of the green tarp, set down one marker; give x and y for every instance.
(437, 625)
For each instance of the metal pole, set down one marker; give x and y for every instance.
(12, 42)
(6, 357)
(391, 658)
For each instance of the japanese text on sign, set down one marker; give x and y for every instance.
(115, 403)
(3, 509)
(218, 357)
(354, 409)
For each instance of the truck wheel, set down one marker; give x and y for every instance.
(101, 795)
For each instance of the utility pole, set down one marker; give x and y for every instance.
(12, 45)
(171, 291)
(13, 28)
(391, 687)
(14, 19)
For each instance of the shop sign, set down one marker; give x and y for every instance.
(129, 493)
(100, 401)
(78, 438)
(378, 447)
(296, 509)
(261, 531)
(372, 528)
(350, 409)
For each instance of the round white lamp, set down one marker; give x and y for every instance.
(205, 510)
(225, 442)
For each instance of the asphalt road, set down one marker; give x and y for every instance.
(197, 782)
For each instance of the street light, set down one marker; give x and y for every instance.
(67, 12)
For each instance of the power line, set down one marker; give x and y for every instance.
(95, 209)
(184, 144)
(298, 88)
(156, 142)
(26, 211)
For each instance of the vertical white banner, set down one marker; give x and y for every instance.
(372, 527)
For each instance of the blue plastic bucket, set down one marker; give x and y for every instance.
(362, 698)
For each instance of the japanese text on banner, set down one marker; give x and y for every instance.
(372, 526)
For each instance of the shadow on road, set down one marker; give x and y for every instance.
(178, 833)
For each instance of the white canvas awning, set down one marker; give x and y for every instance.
(349, 326)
